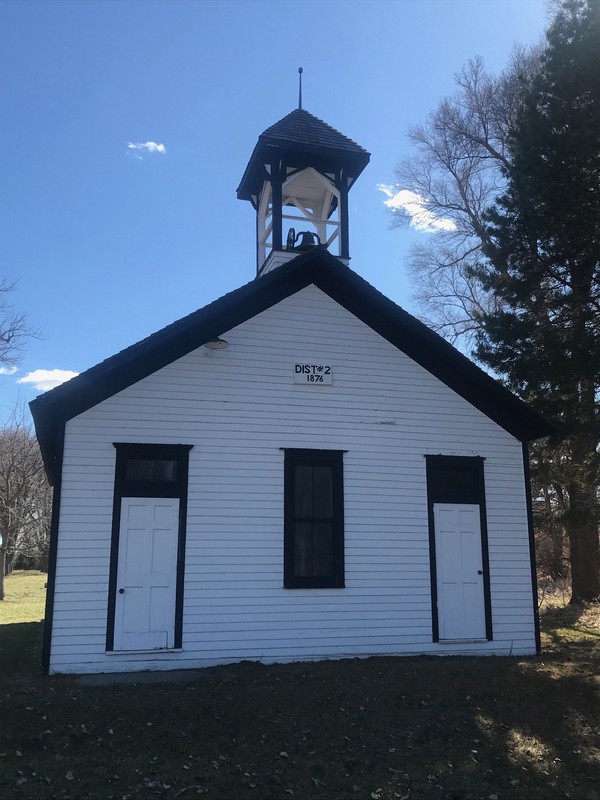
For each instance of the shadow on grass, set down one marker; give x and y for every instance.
(569, 626)
(384, 728)
(562, 617)
(20, 649)
(540, 731)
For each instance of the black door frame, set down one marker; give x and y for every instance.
(135, 488)
(474, 494)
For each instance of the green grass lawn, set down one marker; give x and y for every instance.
(25, 597)
(381, 728)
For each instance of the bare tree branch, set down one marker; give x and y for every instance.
(14, 328)
(461, 152)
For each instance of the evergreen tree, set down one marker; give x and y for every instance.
(543, 264)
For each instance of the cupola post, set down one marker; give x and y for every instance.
(297, 180)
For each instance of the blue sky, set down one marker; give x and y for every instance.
(109, 243)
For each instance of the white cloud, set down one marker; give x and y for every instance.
(7, 370)
(145, 147)
(45, 379)
(416, 207)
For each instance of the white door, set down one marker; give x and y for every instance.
(460, 596)
(146, 573)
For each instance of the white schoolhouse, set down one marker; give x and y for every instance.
(300, 470)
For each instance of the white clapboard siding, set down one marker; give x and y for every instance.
(238, 408)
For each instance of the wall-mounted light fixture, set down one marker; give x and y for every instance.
(216, 344)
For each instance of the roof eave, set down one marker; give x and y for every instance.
(344, 286)
(266, 148)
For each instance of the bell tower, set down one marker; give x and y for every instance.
(297, 180)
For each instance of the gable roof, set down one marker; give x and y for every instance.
(51, 410)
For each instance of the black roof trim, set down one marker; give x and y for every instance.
(316, 267)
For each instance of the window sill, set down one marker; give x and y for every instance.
(320, 586)
(144, 652)
(463, 641)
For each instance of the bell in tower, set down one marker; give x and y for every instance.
(297, 180)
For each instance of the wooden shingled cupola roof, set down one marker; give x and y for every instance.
(299, 174)
(301, 134)
(306, 130)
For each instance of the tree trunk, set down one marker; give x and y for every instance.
(2, 554)
(554, 533)
(582, 518)
(582, 529)
(557, 564)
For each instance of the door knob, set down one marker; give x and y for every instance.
(479, 572)
(121, 591)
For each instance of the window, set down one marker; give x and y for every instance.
(313, 519)
(151, 469)
(455, 479)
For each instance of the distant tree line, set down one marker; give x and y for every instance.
(511, 164)
(25, 496)
(25, 499)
